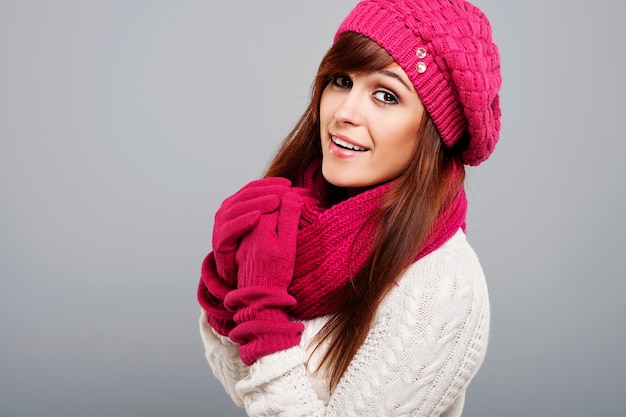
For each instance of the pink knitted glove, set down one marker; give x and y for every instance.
(266, 259)
(239, 214)
(211, 293)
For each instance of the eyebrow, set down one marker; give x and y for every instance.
(394, 75)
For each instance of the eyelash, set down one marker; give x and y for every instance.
(337, 80)
(343, 81)
(387, 94)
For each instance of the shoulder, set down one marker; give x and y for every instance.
(443, 298)
(428, 339)
(451, 272)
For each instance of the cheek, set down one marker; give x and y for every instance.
(401, 148)
(326, 108)
(400, 157)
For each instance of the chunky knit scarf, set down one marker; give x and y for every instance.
(334, 243)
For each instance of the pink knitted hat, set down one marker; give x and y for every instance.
(446, 49)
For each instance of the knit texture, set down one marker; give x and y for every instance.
(238, 215)
(446, 49)
(428, 340)
(265, 259)
(334, 243)
(211, 293)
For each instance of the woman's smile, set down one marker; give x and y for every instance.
(343, 143)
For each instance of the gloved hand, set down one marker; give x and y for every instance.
(211, 293)
(266, 258)
(238, 215)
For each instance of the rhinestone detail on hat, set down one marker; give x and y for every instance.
(421, 53)
(421, 67)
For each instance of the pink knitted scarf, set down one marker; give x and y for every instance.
(334, 243)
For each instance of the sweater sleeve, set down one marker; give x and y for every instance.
(222, 355)
(427, 342)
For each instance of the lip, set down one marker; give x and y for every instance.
(347, 140)
(344, 153)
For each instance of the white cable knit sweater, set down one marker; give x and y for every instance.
(428, 340)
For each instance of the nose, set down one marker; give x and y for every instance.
(349, 110)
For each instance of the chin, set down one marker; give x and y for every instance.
(341, 179)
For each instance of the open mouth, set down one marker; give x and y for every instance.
(345, 145)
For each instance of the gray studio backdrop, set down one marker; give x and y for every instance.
(124, 124)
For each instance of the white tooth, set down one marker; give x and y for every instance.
(346, 144)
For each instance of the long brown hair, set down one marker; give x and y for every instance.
(407, 216)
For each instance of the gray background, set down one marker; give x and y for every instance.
(124, 124)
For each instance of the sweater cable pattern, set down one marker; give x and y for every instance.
(427, 342)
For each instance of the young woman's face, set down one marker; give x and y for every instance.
(368, 125)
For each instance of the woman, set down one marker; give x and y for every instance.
(342, 283)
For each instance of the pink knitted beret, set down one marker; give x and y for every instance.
(446, 49)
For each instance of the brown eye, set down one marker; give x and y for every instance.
(386, 97)
(342, 81)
